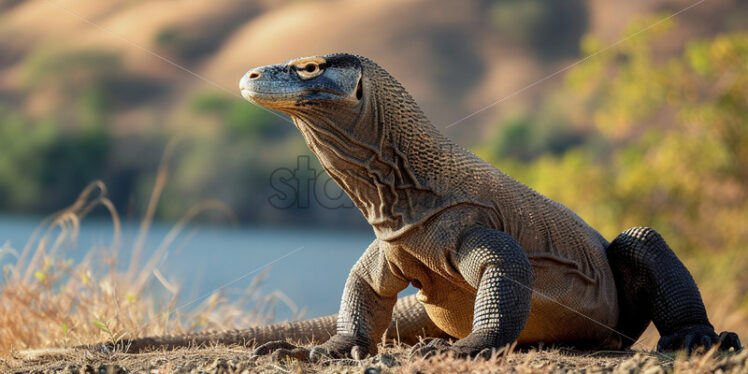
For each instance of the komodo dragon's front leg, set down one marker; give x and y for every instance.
(369, 296)
(495, 264)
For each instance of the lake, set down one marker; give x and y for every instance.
(309, 266)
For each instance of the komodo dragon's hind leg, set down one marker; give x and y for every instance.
(653, 285)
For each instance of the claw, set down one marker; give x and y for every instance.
(704, 337)
(432, 347)
(706, 342)
(429, 348)
(424, 352)
(688, 343)
(318, 353)
(487, 353)
(356, 353)
(729, 340)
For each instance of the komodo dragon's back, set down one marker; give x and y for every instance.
(495, 261)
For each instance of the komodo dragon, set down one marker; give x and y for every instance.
(494, 261)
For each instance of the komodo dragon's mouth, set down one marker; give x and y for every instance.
(250, 94)
(253, 95)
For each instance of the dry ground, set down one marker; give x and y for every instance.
(221, 359)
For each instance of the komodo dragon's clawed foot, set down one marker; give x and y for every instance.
(337, 347)
(470, 346)
(693, 338)
(429, 347)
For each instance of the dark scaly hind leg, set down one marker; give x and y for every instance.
(653, 285)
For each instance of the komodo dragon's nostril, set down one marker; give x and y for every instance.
(254, 75)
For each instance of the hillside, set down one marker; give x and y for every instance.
(133, 74)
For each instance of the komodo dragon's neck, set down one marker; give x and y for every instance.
(391, 161)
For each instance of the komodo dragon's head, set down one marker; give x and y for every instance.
(367, 131)
(335, 80)
(332, 98)
(338, 98)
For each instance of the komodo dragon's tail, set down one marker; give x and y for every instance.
(409, 323)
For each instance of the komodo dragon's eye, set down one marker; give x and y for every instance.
(307, 69)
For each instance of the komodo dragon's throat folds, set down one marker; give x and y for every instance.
(495, 261)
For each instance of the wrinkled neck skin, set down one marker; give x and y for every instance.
(372, 150)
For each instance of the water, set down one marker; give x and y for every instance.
(308, 266)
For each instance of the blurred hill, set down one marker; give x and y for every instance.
(90, 90)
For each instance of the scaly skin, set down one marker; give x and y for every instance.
(495, 261)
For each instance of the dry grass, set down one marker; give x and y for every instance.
(48, 301)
